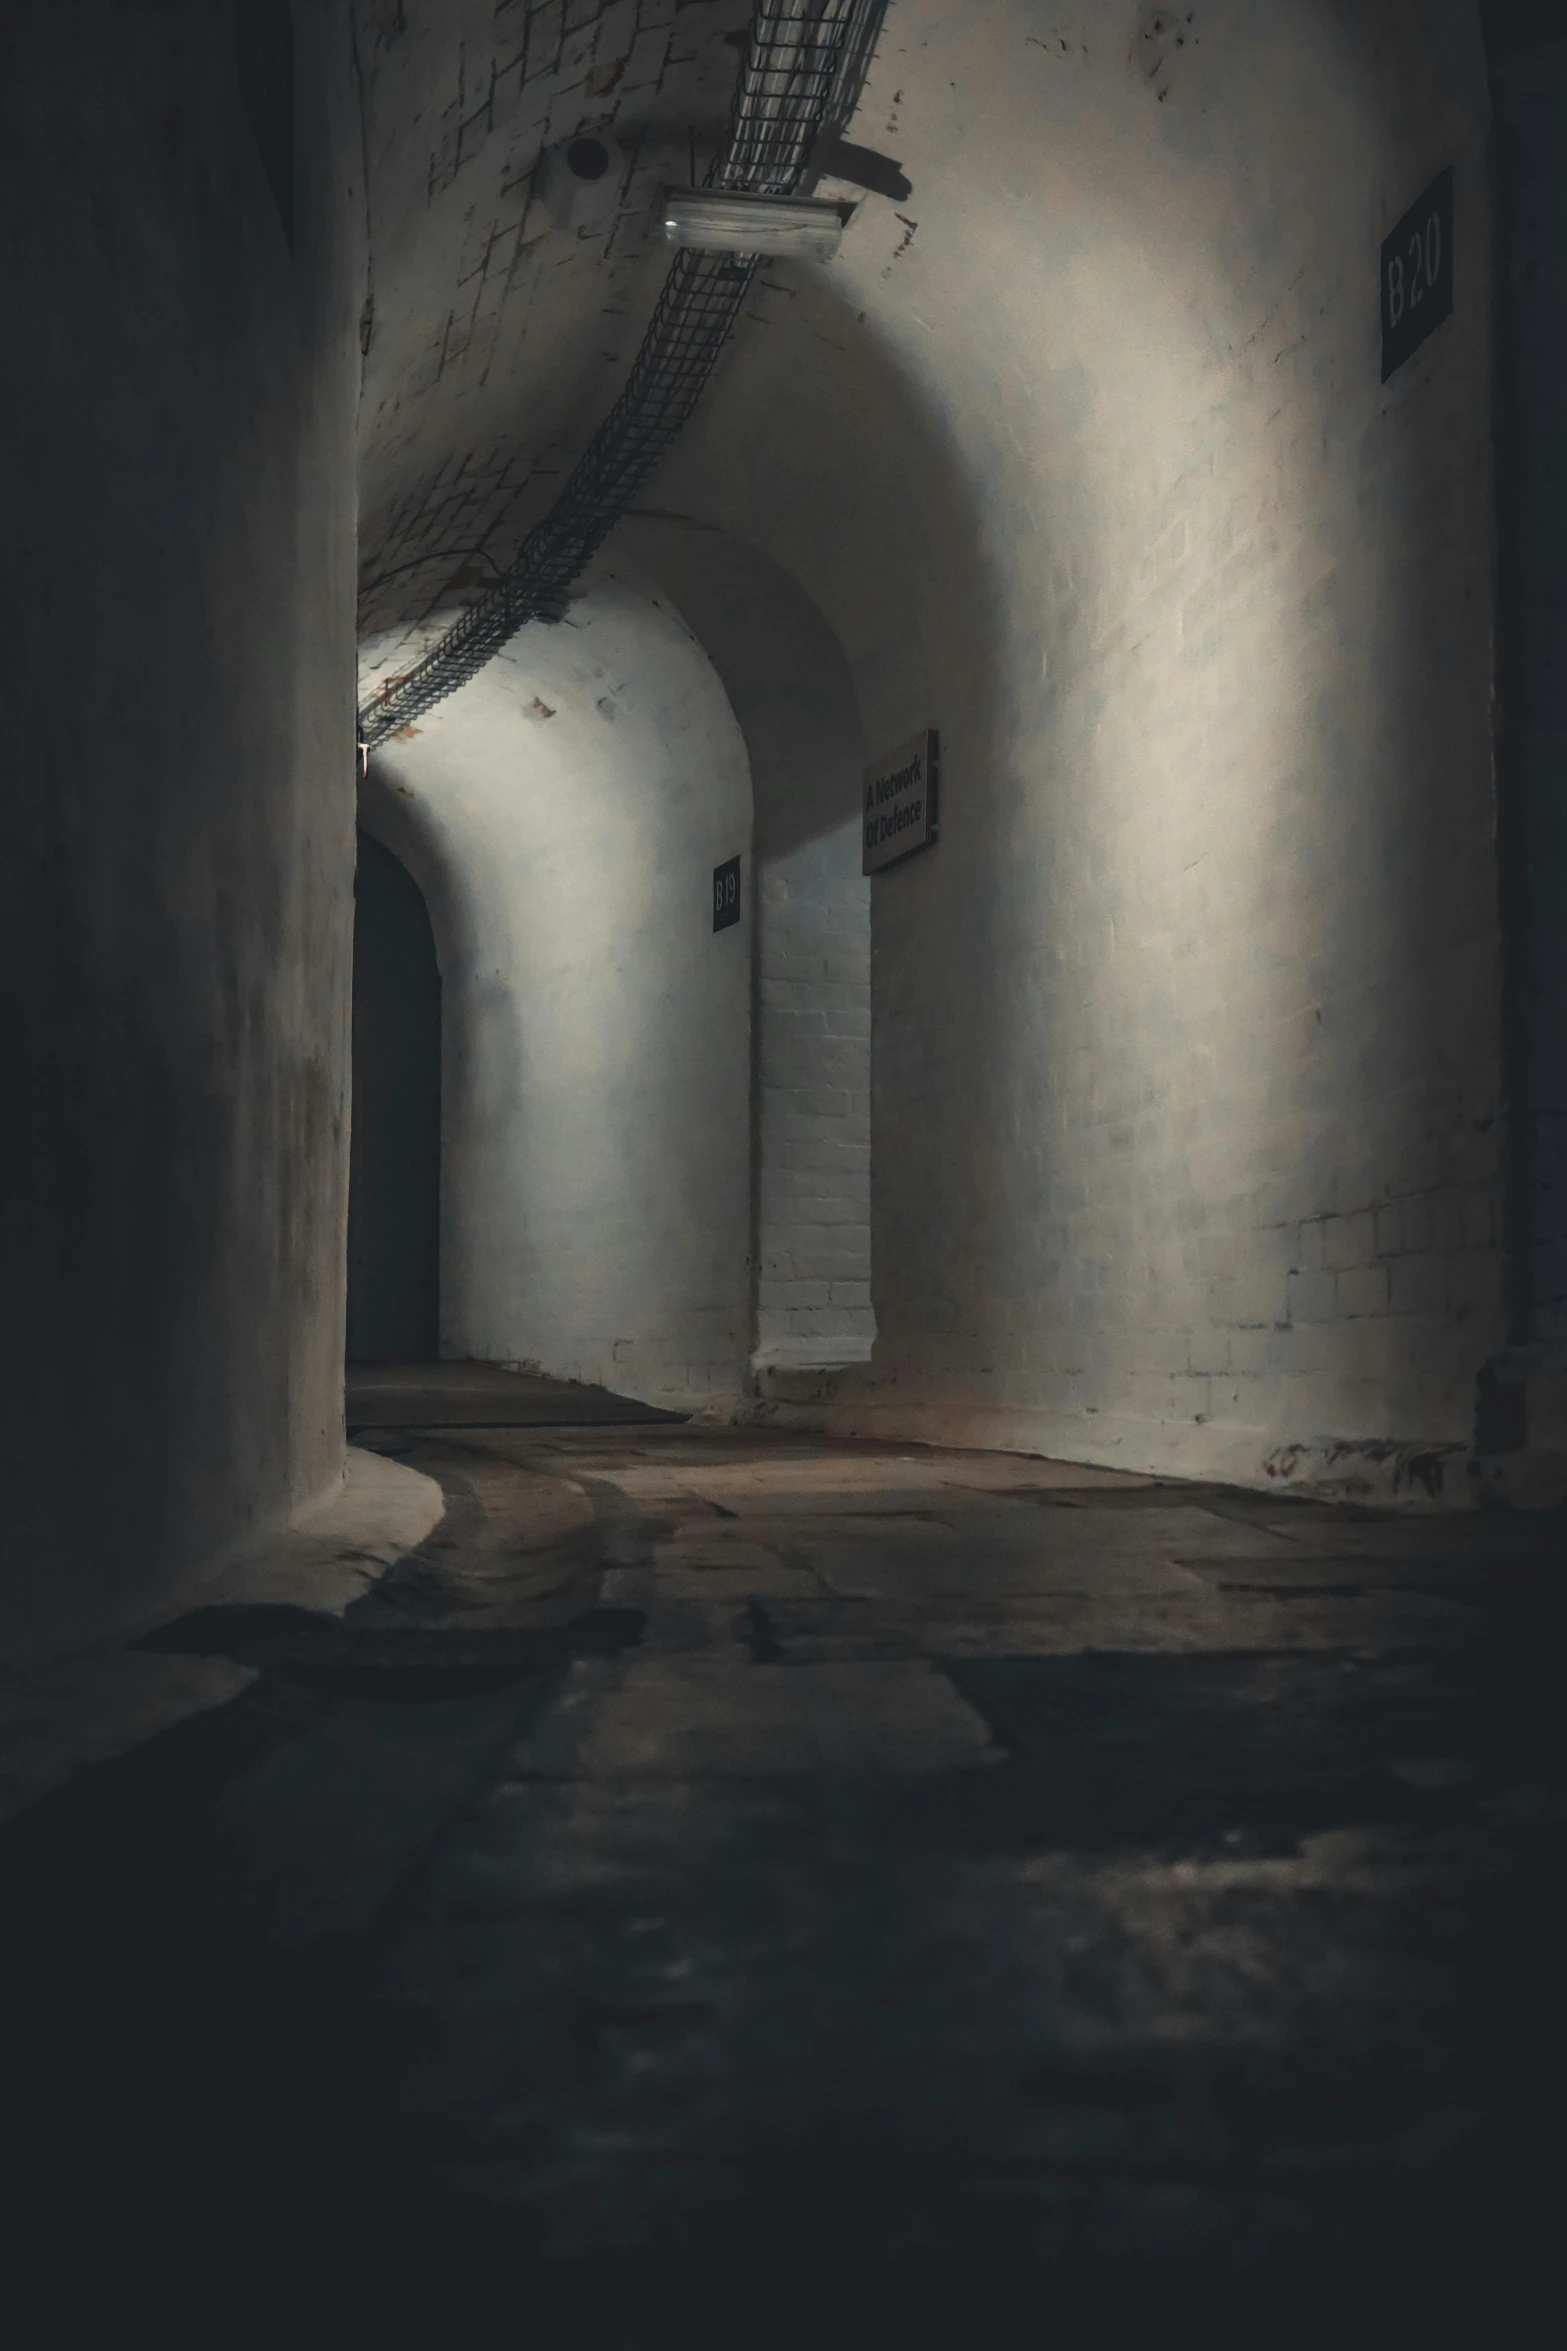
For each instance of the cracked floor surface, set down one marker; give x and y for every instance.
(732, 1886)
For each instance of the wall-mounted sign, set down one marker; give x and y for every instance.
(726, 894)
(900, 802)
(1417, 274)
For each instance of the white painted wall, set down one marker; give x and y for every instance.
(1187, 1102)
(790, 688)
(178, 566)
(564, 814)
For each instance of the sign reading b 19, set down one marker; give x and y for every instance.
(1417, 274)
(726, 894)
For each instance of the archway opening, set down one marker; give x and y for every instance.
(793, 695)
(394, 1183)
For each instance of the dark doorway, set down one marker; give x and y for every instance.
(394, 1178)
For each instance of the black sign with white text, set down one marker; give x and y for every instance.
(726, 894)
(1417, 274)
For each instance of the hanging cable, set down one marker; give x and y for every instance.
(801, 73)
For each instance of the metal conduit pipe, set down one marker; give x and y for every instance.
(801, 73)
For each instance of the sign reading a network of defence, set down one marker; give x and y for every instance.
(900, 802)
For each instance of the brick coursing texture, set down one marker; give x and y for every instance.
(813, 1073)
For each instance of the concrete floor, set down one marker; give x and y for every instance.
(734, 1888)
(482, 1395)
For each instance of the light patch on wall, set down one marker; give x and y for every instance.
(595, 1189)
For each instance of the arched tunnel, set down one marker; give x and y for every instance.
(787, 1414)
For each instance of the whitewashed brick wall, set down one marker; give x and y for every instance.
(790, 688)
(813, 1042)
(1187, 1101)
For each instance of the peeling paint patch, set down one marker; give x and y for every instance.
(1368, 1471)
(1162, 34)
(1057, 45)
(604, 78)
(904, 242)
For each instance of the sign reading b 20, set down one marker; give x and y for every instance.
(1417, 274)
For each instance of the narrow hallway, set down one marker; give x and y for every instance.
(786, 1173)
(861, 1880)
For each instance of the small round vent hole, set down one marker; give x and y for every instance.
(587, 158)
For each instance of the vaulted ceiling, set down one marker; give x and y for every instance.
(494, 339)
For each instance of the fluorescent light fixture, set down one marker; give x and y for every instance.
(729, 220)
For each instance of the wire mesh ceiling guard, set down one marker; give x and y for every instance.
(801, 73)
